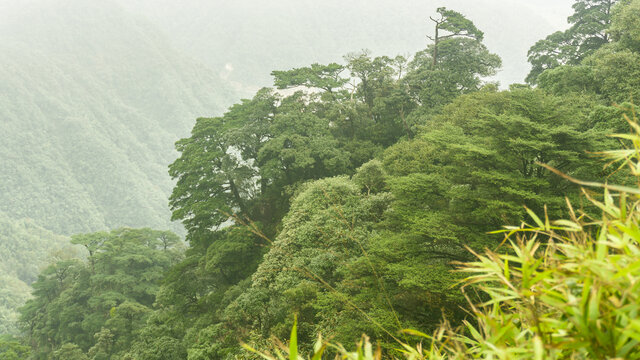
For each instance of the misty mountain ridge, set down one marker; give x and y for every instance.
(92, 99)
(95, 99)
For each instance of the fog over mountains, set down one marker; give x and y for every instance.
(91, 99)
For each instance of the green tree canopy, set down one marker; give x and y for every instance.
(453, 64)
(454, 25)
(97, 306)
(588, 32)
(325, 77)
(610, 74)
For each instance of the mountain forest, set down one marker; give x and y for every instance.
(379, 207)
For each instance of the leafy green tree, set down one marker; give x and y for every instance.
(617, 73)
(609, 75)
(372, 177)
(484, 138)
(103, 348)
(562, 80)
(301, 147)
(464, 62)
(124, 322)
(161, 337)
(454, 64)
(550, 52)
(624, 28)
(99, 304)
(324, 77)
(195, 293)
(380, 115)
(454, 25)
(369, 72)
(204, 195)
(325, 231)
(469, 169)
(569, 284)
(12, 349)
(588, 32)
(92, 242)
(69, 352)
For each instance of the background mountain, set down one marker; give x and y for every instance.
(24, 246)
(92, 100)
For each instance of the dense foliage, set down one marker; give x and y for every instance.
(23, 246)
(561, 289)
(87, 150)
(564, 289)
(99, 304)
(345, 200)
(588, 32)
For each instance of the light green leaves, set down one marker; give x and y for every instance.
(588, 32)
(293, 340)
(567, 290)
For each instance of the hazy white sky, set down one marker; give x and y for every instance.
(285, 33)
(244, 40)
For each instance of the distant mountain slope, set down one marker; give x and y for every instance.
(24, 247)
(92, 100)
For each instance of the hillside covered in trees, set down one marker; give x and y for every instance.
(347, 193)
(95, 93)
(91, 101)
(84, 131)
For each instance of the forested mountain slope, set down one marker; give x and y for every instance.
(92, 100)
(24, 247)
